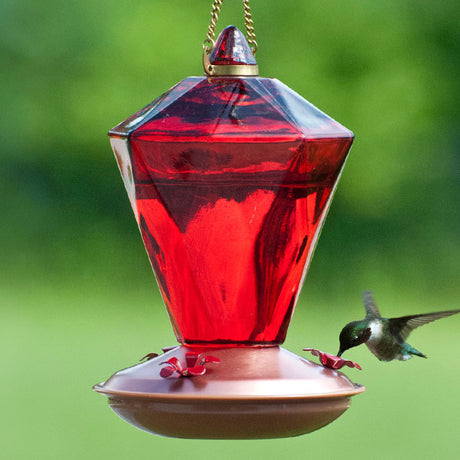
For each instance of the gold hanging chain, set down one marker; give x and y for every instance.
(209, 41)
(249, 24)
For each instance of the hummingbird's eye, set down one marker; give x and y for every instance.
(355, 337)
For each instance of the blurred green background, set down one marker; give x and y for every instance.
(78, 299)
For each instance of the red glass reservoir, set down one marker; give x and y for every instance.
(230, 179)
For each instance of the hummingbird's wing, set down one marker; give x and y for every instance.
(403, 326)
(369, 303)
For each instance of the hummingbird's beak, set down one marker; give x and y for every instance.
(339, 354)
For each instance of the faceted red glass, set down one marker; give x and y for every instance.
(231, 48)
(230, 179)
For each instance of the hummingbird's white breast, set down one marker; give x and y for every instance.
(376, 331)
(376, 335)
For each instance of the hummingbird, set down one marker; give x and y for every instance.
(386, 337)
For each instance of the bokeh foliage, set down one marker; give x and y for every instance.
(77, 294)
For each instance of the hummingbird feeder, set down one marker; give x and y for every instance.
(230, 177)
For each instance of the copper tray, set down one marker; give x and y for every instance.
(265, 392)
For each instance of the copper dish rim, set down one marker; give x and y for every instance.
(209, 397)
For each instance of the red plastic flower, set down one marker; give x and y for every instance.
(332, 361)
(194, 365)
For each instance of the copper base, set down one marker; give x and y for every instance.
(252, 393)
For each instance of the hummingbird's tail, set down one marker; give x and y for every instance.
(408, 349)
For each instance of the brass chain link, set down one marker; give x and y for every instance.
(209, 41)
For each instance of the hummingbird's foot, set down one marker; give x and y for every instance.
(332, 361)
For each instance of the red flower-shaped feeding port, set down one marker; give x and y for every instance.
(195, 365)
(332, 361)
